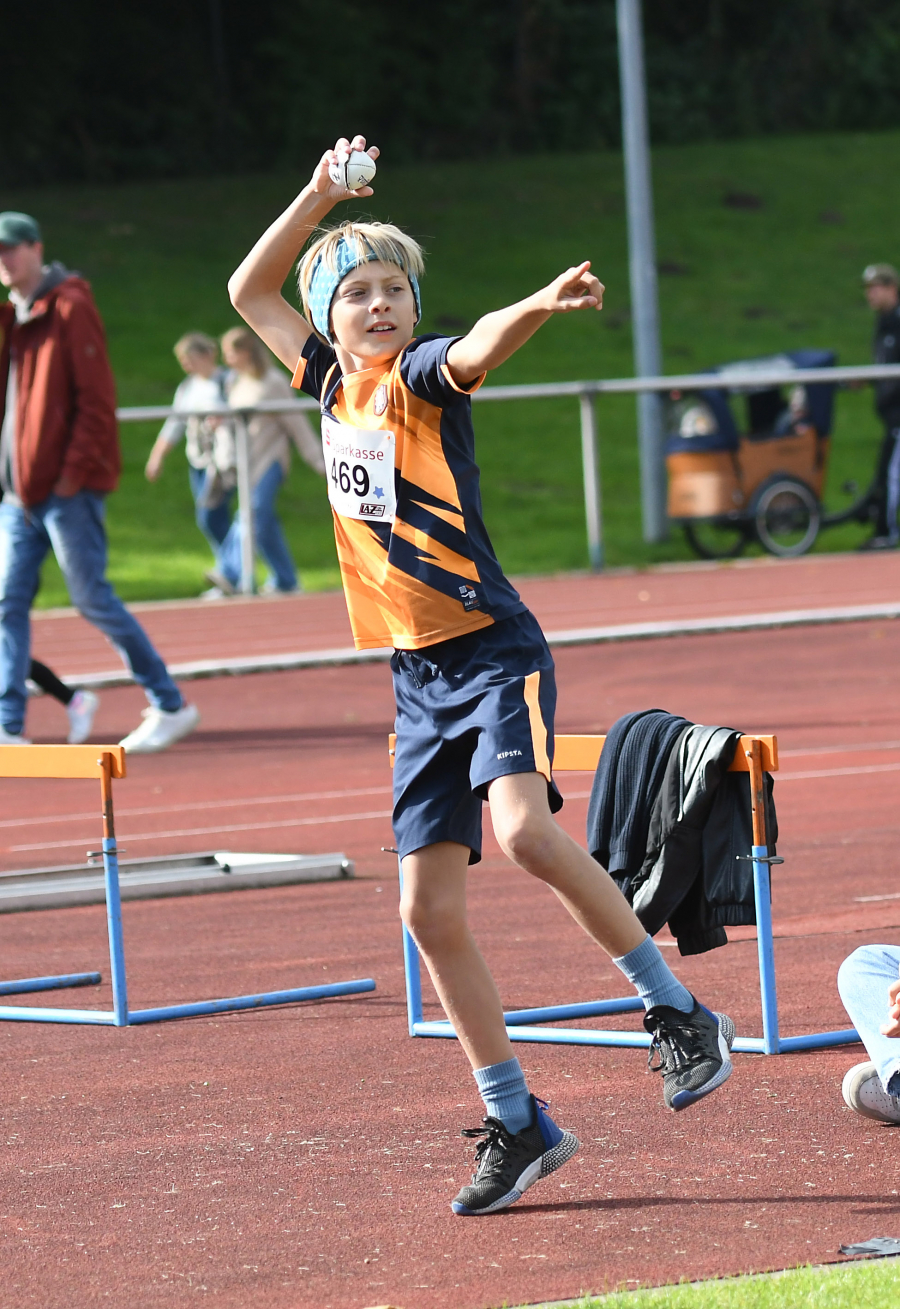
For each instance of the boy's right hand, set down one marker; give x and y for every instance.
(322, 183)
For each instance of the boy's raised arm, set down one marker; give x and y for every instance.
(498, 335)
(255, 286)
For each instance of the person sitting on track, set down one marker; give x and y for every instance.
(473, 676)
(869, 983)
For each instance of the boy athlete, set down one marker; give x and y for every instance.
(473, 677)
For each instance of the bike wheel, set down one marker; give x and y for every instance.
(716, 538)
(786, 517)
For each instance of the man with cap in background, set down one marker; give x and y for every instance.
(59, 458)
(881, 287)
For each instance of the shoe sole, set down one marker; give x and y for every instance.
(548, 1163)
(853, 1080)
(140, 748)
(684, 1099)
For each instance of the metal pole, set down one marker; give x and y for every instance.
(245, 504)
(590, 462)
(113, 901)
(642, 264)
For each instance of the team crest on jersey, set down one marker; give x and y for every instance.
(381, 399)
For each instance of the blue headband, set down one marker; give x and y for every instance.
(323, 283)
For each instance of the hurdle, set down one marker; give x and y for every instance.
(106, 762)
(755, 755)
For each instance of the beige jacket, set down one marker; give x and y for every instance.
(271, 434)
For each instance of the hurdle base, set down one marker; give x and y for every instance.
(107, 1018)
(29, 984)
(522, 1028)
(239, 1002)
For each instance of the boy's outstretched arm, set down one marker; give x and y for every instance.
(255, 287)
(498, 335)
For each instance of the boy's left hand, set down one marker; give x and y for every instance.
(576, 288)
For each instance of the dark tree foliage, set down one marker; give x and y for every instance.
(103, 90)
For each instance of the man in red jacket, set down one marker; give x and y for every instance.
(59, 458)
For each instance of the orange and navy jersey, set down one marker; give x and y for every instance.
(431, 573)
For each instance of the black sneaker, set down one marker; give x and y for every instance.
(694, 1051)
(506, 1164)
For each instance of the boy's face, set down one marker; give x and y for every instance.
(373, 313)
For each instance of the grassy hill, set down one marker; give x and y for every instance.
(735, 282)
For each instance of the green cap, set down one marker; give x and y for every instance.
(873, 275)
(16, 228)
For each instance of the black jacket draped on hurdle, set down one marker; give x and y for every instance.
(668, 820)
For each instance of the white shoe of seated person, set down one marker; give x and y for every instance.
(862, 1091)
(81, 709)
(159, 729)
(9, 738)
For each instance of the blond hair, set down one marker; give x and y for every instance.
(241, 338)
(195, 343)
(385, 242)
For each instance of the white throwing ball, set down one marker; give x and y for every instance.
(352, 171)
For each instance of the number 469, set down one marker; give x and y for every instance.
(355, 478)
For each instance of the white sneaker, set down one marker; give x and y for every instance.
(81, 709)
(862, 1091)
(7, 738)
(159, 729)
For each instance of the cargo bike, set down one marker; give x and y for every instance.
(729, 486)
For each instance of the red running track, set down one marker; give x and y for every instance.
(304, 1158)
(243, 627)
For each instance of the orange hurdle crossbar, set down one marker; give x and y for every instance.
(107, 762)
(754, 754)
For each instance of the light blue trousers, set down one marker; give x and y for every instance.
(73, 528)
(863, 981)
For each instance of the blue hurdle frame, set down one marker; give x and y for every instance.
(83, 761)
(522, 1023)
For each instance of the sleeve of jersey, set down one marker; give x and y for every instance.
(312, 367)
(424, 371)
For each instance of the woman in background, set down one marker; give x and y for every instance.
(255, 378)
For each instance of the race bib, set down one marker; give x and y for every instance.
(359, 466)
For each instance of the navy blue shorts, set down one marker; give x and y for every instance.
(469, 710)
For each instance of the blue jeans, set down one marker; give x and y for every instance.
(213, 523)
(267, 534)
(863, 981)
(73, 528)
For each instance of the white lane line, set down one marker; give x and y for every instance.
(201, 804)
(213, 831)
(855, 748)
(579, 636)
(335, 818)
(837, 772)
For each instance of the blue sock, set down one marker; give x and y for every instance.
(652, 978)
(505, 1094)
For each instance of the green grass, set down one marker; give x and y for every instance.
(859, 1286)
(755, 281)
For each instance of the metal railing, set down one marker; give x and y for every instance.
(586, 393)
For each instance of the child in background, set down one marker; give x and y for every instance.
(254, 378)
(473, 677)
(208, 444)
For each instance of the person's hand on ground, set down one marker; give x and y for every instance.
(892, 1026)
